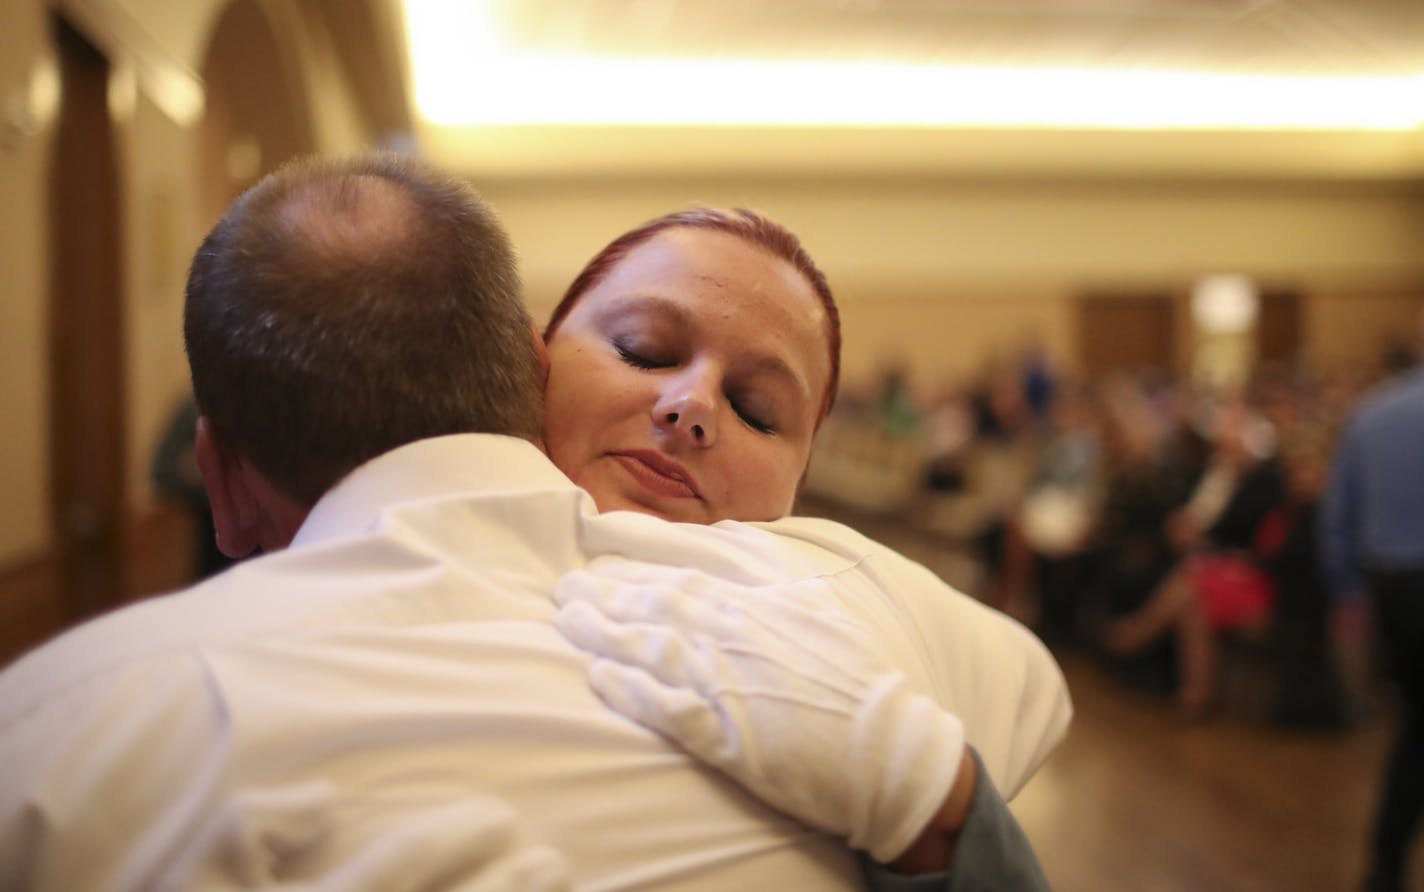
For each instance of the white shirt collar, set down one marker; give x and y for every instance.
(439, 468)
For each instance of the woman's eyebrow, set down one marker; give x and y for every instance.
(776, 367)
(652, 304)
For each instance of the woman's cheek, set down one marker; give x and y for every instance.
(768, 481)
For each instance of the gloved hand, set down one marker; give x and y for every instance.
(774, 686)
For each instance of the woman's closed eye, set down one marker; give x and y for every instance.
(642, 359)
(754, 409)
(756, 417)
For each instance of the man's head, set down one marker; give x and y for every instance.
(341, 309)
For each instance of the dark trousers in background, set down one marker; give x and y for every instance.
(1399, 619)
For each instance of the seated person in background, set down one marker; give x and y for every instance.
(1218, 583)
(1309, 691)
(949, 432)
(1128, 546)
(341, 710)
(1004, 454)
(1049, 553)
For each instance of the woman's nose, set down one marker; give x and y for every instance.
(688, 412)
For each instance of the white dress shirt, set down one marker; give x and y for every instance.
(356, 697)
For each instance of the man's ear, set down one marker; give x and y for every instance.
(235, 510)
(541, 349)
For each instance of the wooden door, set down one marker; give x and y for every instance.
(86, 335)
(1127, 333)
(1278, 328)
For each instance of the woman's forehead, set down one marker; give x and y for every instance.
(714, 272)
(721, 284)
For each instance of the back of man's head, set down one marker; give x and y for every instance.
(343, 308)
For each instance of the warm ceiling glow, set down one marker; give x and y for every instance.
(466, 74)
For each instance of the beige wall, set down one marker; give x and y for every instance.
(24, 466)
(161, 219)
(947, 272)
(946, 340)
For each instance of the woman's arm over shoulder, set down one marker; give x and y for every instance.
(975, 661)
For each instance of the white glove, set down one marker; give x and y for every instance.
(774, 686)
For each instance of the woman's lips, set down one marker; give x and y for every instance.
(658, 473)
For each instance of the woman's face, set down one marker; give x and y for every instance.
(687, 383)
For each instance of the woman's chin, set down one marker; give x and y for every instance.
(674, 510)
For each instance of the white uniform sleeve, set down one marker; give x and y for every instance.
(789, 698)
(312, 837)
(132, 785)
(986, 668)
(116, 771)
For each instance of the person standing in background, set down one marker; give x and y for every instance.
(1372, 540)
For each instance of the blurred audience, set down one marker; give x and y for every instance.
(1166, 527)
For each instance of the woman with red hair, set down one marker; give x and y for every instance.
(690, 364)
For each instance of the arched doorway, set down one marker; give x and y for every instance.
(256, 113)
